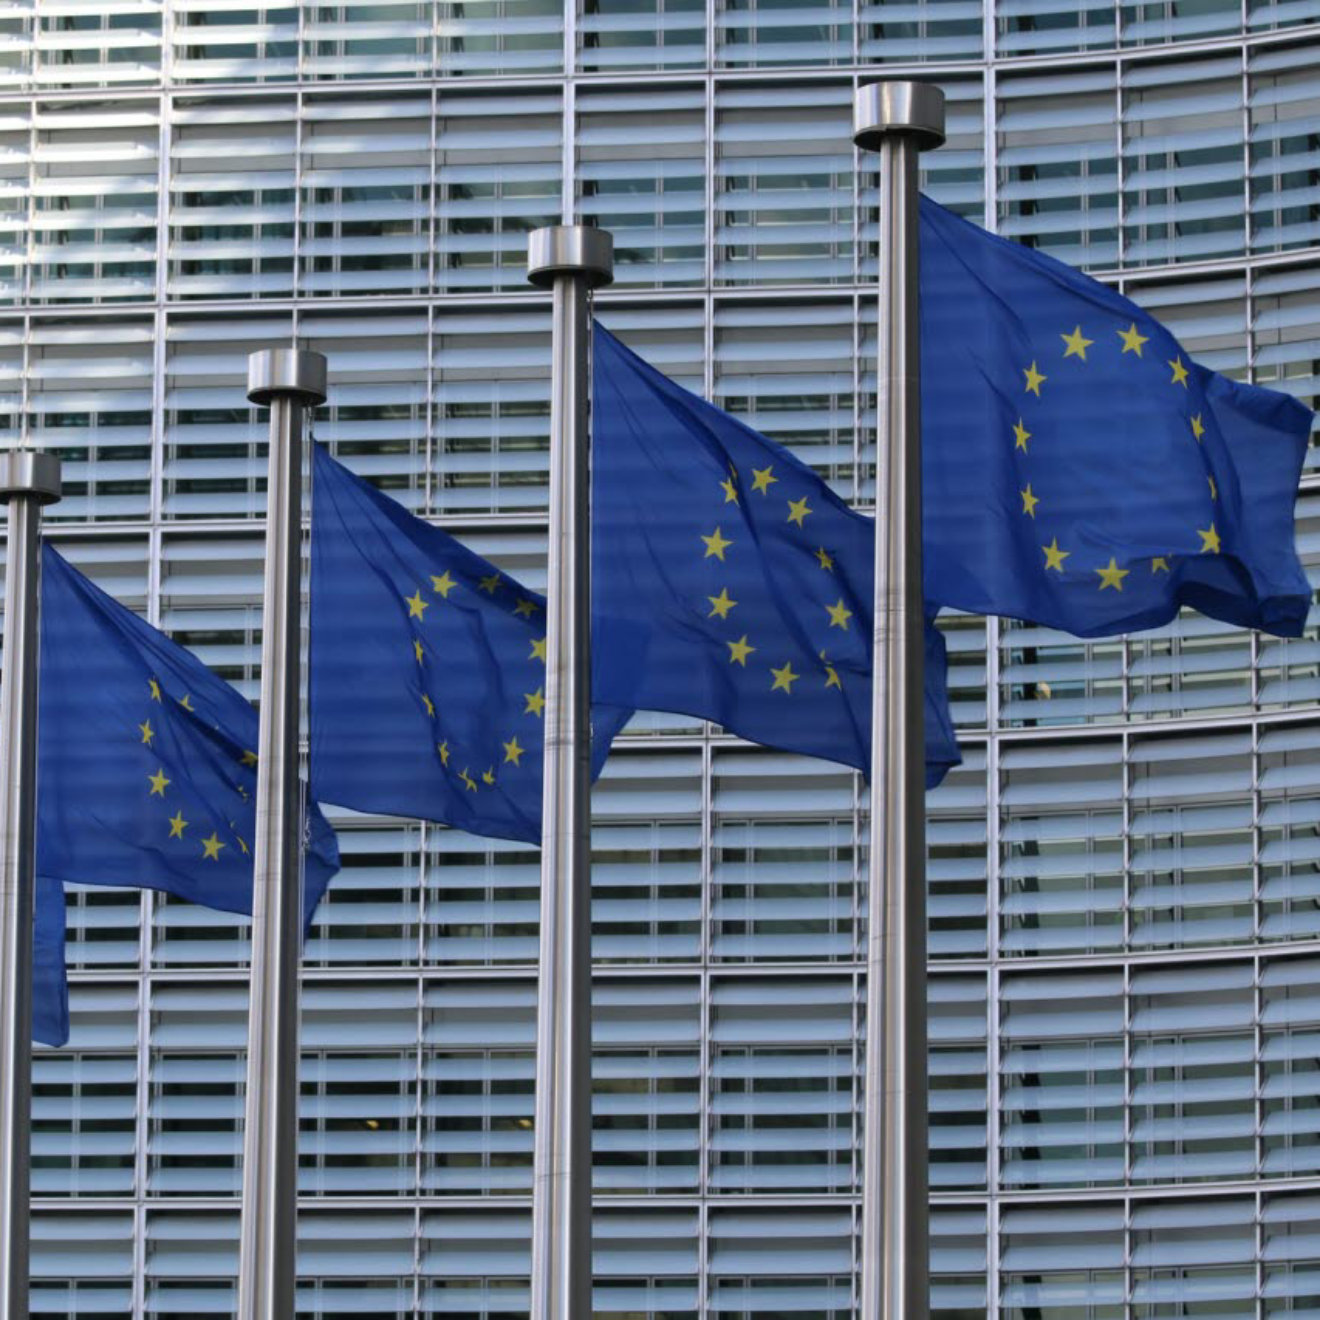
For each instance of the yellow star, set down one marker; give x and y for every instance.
(147, 732)
(490, 583)
(177, 825)
(249, 758)
(739, 651)
(211, 847)
(512, 751)
(443, 749)
(729, 489)
(798, 510)
(784, 677)
(429, 704)
(155, 689)
(1209, 540)
(538, 649)
(416, 605)
(1054, 557)
(1029, 501)
(1198, 427)
(1214, 490)
(468, 780)
(1112, 576)
(839, 615)
(1133, 339)
(763, 479)
(1020, 436)
(720, 605)
(535, 703)
(488, 776)
(419, 650)
(186, 702)
(1034, 379)
(1077, 344)
(831, 674)
(242, 843)
(443, 584)
(1179, 372)
(158, 782)
(824, 559)
(716, 545)
(525, 608)
(1159, 564)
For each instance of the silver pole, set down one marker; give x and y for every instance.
(28, 480)
(289, 380)
(572, 260)
(898, 119)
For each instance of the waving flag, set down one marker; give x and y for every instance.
(427, 670)
(1080, 470)
(728, 581)
(146, 765)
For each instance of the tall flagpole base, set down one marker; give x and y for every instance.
(28, 482)
(899, 120)
(572, 260)
(288, 381)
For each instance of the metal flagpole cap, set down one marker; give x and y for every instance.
(27, 472)
(915, 109)
(293, 373)
(570, 250)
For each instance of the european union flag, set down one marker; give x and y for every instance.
(146, 770)
(427, 670)
(1080, 470)
(728, 581)
(50, 984)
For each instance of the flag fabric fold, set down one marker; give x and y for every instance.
(728, 581)
(427, 670)
(1080, 470)
(146, 759)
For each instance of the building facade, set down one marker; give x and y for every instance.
(1124, 874)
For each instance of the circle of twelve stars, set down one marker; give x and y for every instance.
(524, 608)
(783, 678)
(1075, 345)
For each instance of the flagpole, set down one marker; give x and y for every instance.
(572, 260)
(289, 381)
(28, 480)
(899, 120)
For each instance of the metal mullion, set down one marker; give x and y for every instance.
(1126, 809)
(165, 147)
(568, 126)
(419, 1099)
(432, 205)
(1129, 1082)
(299, 106)
(990, 125)
(994, 967)
(1258, 1063)
(1247, 226)
(1120, 165)
(419, 1093)
(711, 218)
(141, 1121)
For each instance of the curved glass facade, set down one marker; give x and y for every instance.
(1124, 875)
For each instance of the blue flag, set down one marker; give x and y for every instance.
(427, 670)
(728, 581)
(50, 984)
(146, 768)
(1080, 470)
